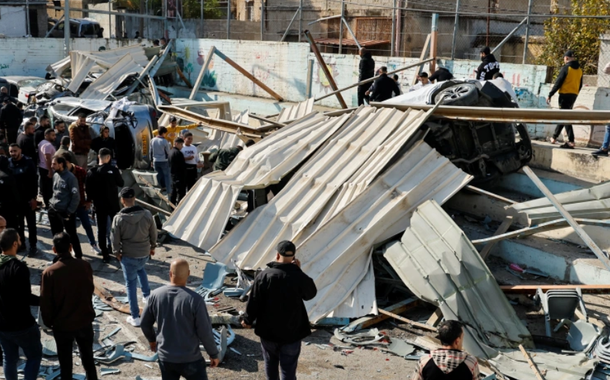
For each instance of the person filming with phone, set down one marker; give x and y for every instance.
(276, 306)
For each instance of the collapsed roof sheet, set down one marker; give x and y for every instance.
(112, 78)
(591, 203)
(553, 366)
(439, 265)
(201, 217)
(295, 112)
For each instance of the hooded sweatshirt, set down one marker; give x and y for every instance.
(447, 365)
(133, 233)
(366, 67)
(15, 295)
(488, 67)
(569, 80)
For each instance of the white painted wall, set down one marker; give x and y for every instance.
(12, 21)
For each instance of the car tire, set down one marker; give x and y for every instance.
(463, 94)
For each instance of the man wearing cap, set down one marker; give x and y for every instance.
(488, 67)
(568, 84)
(134, 238)
(276, 305)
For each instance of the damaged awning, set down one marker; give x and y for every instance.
(112, 78)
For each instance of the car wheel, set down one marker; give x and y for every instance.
(463, 94)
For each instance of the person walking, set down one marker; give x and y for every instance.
(10, 120)
(66, 290)
(160, 153)
(103, 183)
(489, 65)
(178, 170)
(134, 238)
(366, 70)
(24, 172)
(80, 135)
(276, 305)
(568, 84)
(46, 151)
(191, 157)
(182, 324)
(63, 204)
(25, 140)
(64, 147)
(18, 328)
(384, 87)
(104, 141)
(82, 211)
(450, 361)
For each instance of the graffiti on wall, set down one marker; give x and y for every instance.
(209, 77)
(320, 77)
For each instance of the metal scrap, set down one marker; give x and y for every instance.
(363, 338)
(109, 371)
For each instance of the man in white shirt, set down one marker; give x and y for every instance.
(191, 157)
(422, 81)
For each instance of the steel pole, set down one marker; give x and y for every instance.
(433, 42)
(527, 31)
(201, 21)
(228, 19)
(27, 18)
(455, 28)
(66, 27)
(300, 19)
(341, 26)
(262, 20)
(109, 19)
(393, 42)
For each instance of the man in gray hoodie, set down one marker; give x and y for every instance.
(159, 147)
(134, 238)
(64, 202)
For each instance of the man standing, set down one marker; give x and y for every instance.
(18, 328)
(384, 87)
(182, 323)
(24, 172)
(191, 157)
(82, 211)
(10, 198)
(134, 238)
(103, 183)
(60, 132)
(10, 120)
(25, 141)
(66, 308)
(160, 152)
(41, 129)
(276, 305)
(441, 74)
(488, 67)
(64, 147)
(568, 84)
(449, 362)
(46, 151)
(104, 141)
(423, 82)
(63, 204)
(366, 70)
(178, 170)
(81, 140)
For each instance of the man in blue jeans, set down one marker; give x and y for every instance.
(604, 150)
(276, 305)
(18, 329)
(134, 237)
(159, 147)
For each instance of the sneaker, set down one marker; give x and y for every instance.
(145, 300)
(32, 252)
(601, 152)
(106, 259)
(133, 321)
(95, 249)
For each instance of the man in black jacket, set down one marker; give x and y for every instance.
(102, 186)
(366, 70)
(384, 87)
(11, 198)
(104, 141)
(18, 328)
(41, 130)
(488, 67)
(25, 141)
(178, 170)
(26, 177)
(10, 120)
(276, 305)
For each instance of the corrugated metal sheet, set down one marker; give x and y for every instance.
(337, 255)
(251, 243)
(554, 366)
(439, 264)
(201, 217)
(591, 203)
(112, 78)
(295, 112)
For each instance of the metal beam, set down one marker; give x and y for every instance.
(137, 15)
(490, 194)
(577, 228)
(260, 118)
(349, 29)
(335, 92)
(165, 53)
(531, 289)
(422, 57)
(324, 68)
(204, 68)
(502, 229)
(510, 115)
(324, 18)
(54, 26)
(289, 25)
(512, 32)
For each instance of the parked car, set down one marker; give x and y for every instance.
(23, 88)
(79, 28)
(486, 150)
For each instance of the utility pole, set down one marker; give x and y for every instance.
(341, 26)
(393, 38)
(455, 28)
(300, 19)
(527, 31)
(66, 27)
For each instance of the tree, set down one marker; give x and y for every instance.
(578, 34)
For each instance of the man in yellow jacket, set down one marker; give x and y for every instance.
(568, 84)
(173, 130)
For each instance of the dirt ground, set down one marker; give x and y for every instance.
(318, 358)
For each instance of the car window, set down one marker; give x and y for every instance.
(89, 29)
(31, 82)
(79, 110)
(62, 109)
(74, 29)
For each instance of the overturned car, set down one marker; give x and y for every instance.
(487, 150)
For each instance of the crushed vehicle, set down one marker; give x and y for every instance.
(23, 88)
(486, 150)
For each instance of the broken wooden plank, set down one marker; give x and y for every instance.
(107, 298)
(508, 221)
(577, 228)
(531, 289)
(183, 77)
(407, 320)
(152, 207)
(531, 363)
(400, 307)
(435, 318)
(204, 68)
(424, 52)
